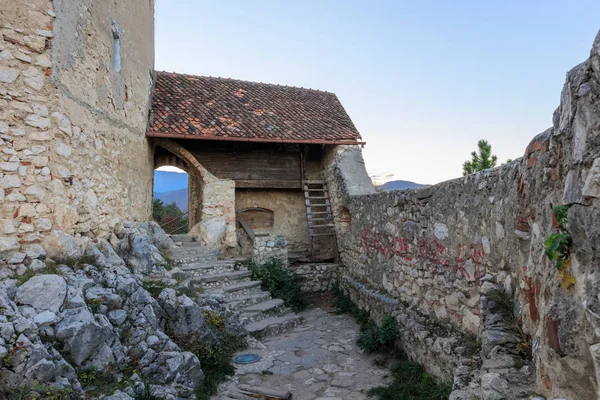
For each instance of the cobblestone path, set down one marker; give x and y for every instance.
(316, 360)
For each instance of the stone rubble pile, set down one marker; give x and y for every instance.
(83, 307)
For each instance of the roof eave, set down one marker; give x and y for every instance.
(169, 135)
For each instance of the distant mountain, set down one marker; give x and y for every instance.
(398, 185)
(180, 197)
(166, 181)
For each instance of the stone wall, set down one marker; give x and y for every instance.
(289, 214)
(270, 247)
(75, 82)
(316, 277)
(431, 250)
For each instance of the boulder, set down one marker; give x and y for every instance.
(43, 292)
(184, 316)
(140, 254)
(159, 236)
(81, 334)
(175, 367)
(104, 255)
(45, 318)
(60, 246)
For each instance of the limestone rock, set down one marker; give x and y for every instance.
(61, 245)
(179, 367)
(139, 253)
(43, 292)
(81, 334)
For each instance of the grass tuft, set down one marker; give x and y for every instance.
(281, 282)
(154, 288)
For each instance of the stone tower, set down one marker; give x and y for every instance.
(75, 84)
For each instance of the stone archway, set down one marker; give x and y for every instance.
(166, 158)
(211, 200)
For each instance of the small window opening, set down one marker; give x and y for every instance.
(116, 48)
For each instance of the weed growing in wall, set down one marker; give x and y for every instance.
(557, 246)
(281, 282)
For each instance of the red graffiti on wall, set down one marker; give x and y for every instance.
(466, 259)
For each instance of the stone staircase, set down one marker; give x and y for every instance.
(261, 314)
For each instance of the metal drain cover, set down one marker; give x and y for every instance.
(246, 358)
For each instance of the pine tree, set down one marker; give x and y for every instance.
(170, 217)
(480, 159)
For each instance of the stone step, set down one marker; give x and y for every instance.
(192, 250)
(190, 255)
(264, 306)
(191, 244)
(264, 310)
(182, 238)
(209, 267)
(241, 289)
(214, 281)
(274, 325)
(248, 300)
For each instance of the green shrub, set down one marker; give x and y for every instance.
(282, 283)
(216, 360)
(557, 248)
(372, 337)
(375, 338)
(558, 243)
(411, 382)
(214, 320)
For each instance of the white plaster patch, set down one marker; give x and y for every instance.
(485, 242)
(440, 231)
(499, 230)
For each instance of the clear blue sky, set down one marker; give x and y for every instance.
(422, 80)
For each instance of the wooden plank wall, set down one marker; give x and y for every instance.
(258, 168)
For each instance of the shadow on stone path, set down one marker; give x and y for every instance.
(317, 360)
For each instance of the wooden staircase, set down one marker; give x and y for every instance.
(321, 229)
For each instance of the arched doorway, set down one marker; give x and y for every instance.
(211, 201)
(170, 202)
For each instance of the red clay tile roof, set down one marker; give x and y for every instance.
(202, 107)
